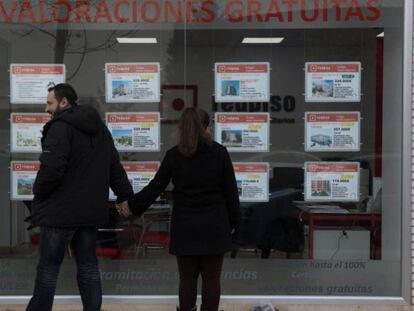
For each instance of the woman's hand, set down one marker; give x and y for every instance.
(232, 231)
(123, 209)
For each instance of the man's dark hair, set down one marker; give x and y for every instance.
(62, 90)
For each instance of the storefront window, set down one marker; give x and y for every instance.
(311, 118)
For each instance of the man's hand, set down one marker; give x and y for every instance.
(123, 209)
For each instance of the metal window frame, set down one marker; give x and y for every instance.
(407, 181)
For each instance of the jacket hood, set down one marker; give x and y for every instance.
(85, 118)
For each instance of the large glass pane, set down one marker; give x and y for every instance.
(289, 245)
(285, 246)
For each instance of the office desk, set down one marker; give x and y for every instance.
(343, 220)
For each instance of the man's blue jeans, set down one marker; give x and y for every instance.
(53, 245)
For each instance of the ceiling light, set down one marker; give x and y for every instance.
(137, 40)
(381, 35)
(263, 40)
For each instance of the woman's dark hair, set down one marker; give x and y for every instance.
(192, 131)
(62, 90)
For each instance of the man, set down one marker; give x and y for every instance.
(78, 164)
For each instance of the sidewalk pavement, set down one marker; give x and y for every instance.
(240, 307)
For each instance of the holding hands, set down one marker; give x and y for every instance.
(123, 209)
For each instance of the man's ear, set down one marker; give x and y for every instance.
(64, 103)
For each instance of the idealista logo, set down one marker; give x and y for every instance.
(112, 69)
(313, 167)
(222, 118)
(222, 68)
(17, 69)
(320, 67)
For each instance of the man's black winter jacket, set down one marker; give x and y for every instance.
(78, 164)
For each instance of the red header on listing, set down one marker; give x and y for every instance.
(249, 168)
(332, 117)
(242, 118)
(332, 167)
(141, 167)
(315, 68)
(37, 69)
(25, 166)
(132, 68)
(30, 118)
(243, 68)
(127, 118)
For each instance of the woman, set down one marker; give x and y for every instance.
(206, 207)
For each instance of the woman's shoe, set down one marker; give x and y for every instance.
(192, 309)
(201, 308)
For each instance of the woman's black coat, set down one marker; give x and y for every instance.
(206, 201)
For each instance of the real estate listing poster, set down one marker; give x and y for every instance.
(252, 181)
(135, 131)
(132, 82)
(23, 175)
(332, 181)
(242, 82)
(29, 82)
(332, 131)
(139, 175)
(26, 131)
(243, 132)
(333, 82)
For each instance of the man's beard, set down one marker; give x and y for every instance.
(57, 111)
